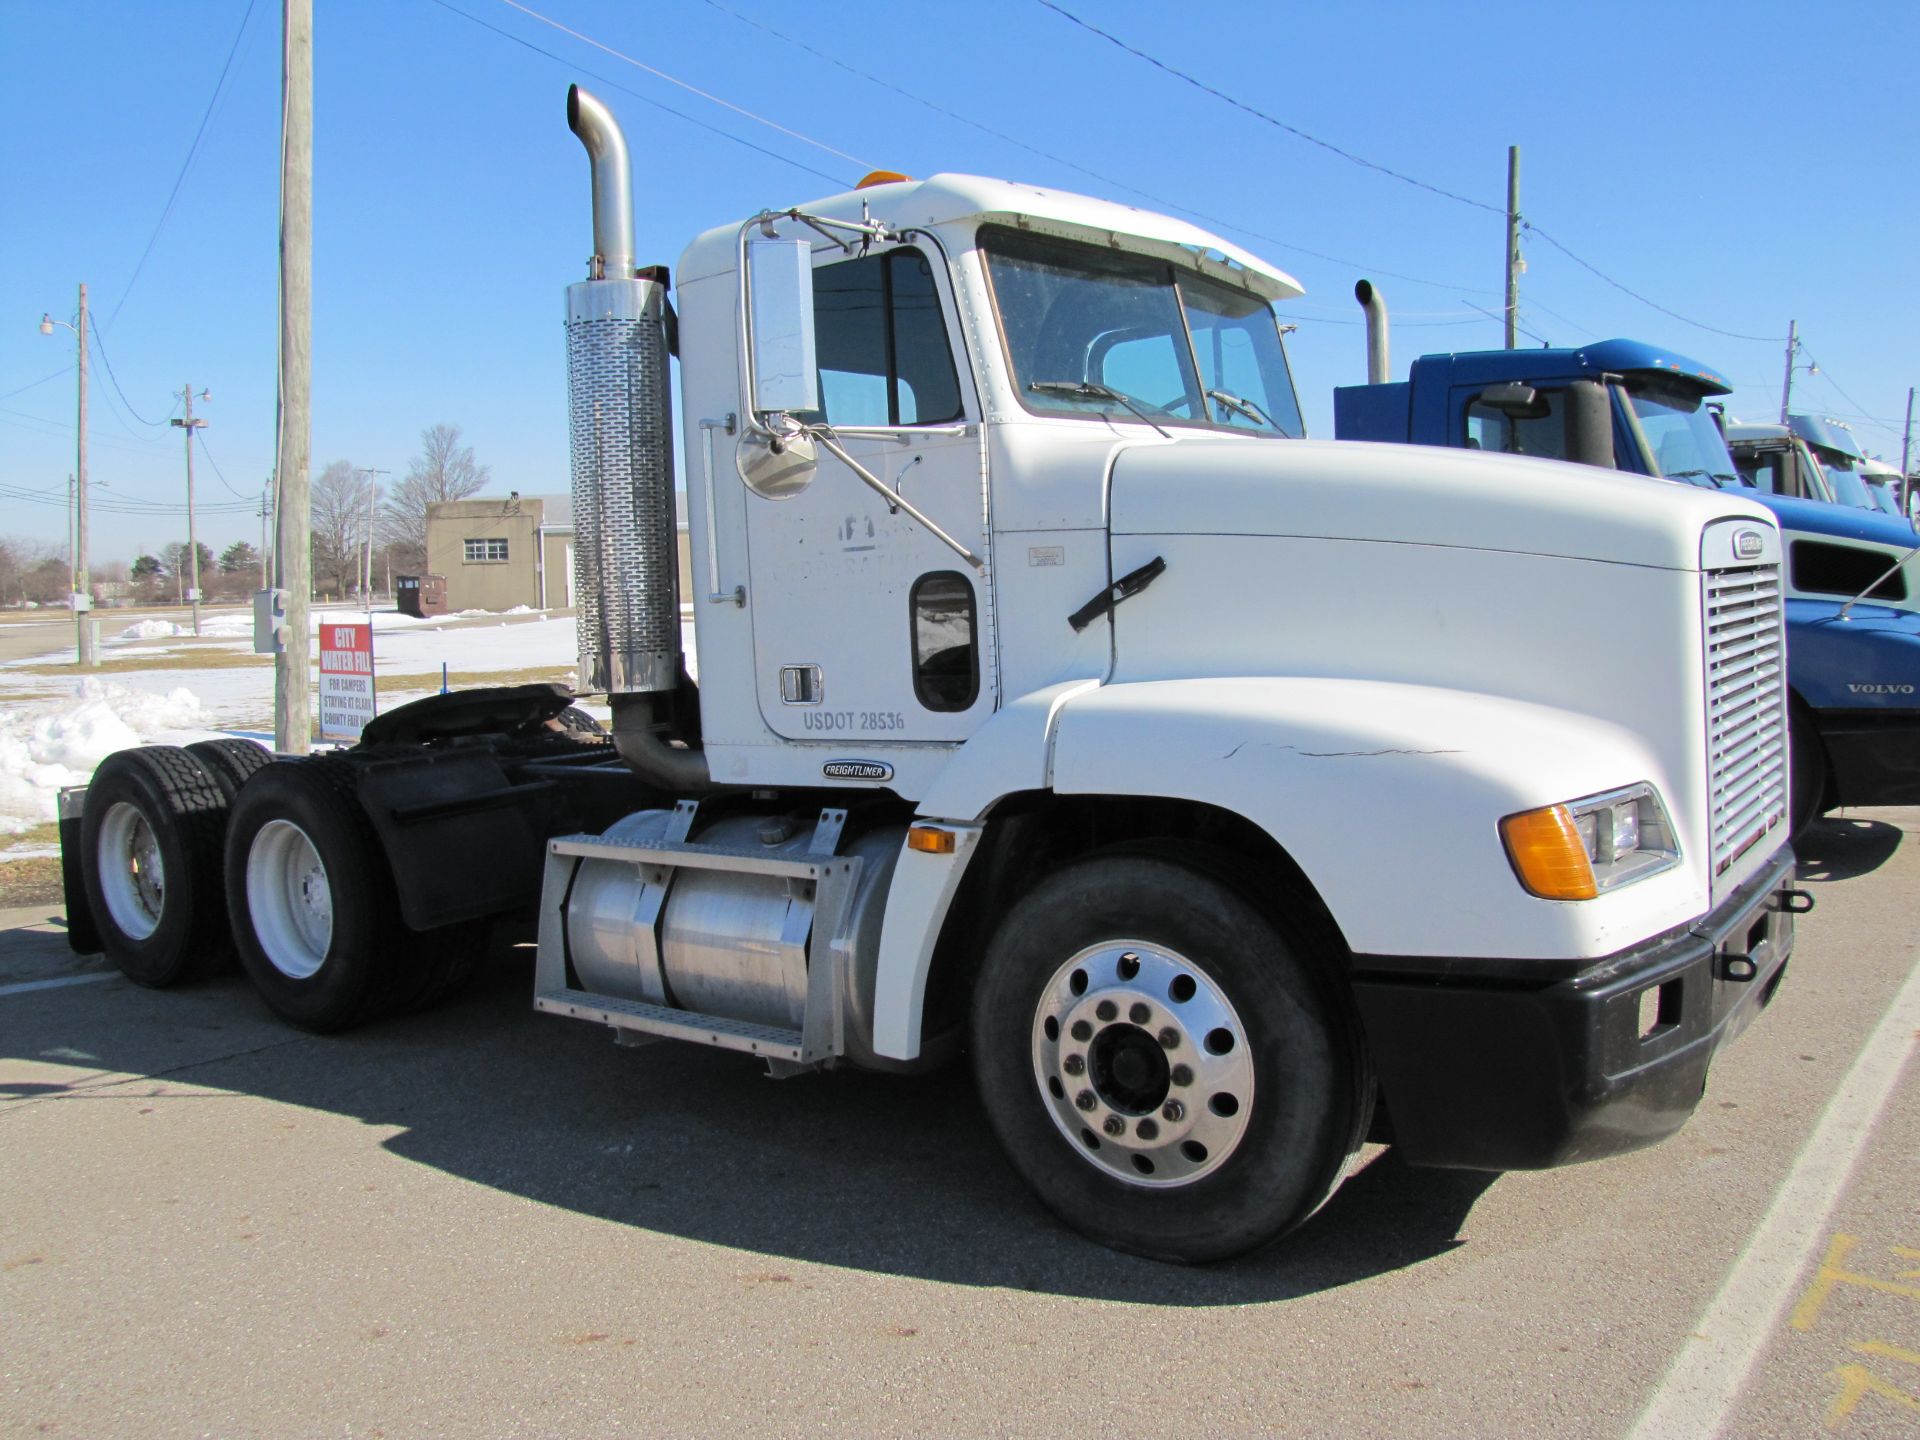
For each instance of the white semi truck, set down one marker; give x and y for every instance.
(1226, 796)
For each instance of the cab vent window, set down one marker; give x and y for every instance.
(946, 668)
(1845, 570)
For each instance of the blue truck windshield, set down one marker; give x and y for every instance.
(1681, 439)
(1140, 339)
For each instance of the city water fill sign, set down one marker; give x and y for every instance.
(346, 678)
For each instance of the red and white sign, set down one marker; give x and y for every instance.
(346, 678)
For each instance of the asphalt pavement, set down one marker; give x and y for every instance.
(483, 1221)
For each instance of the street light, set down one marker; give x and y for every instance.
(85, 651)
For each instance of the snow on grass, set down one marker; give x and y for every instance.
(48, 743)
(40, 752)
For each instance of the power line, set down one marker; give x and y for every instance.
(108, 364)
(612, 84)
(1272, 120)
(207, 455)
(1365, 163)
(185, 165)
(690, 89)
(63, 370)
(1533, 229)
(1162, 201)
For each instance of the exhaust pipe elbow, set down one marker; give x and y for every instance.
(599, 132)
(1374, 303)
(639, 741)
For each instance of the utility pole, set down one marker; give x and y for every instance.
(82, 595)
(266, 545)
(293, 565)
(1786, 389)
(187, 427)
(1906, 459)
(373, 491)
(1514, 262)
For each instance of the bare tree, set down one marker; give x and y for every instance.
(443, 470)
(19, 559)
(339, 501)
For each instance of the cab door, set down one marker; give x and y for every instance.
(867, 628)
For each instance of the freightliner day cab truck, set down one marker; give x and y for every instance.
(1055, 703)
(1851, 586)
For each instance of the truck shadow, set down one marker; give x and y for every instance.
(896, 1175)
(1843, 847)
(893, 1174)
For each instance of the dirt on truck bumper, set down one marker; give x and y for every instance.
(1489, 1065)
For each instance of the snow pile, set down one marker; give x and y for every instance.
(41, 752)
(153, 630)
(227, 627)
(519, 610)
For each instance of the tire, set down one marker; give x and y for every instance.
(315, 916)
(1806, 773)
(150, 853)
(1161, 1062)
(444, 962)
(576, 721)
(230, 763)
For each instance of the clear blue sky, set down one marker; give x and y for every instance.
(1740, 164)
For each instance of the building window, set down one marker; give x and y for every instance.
(479, 551)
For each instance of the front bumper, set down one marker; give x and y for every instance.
(1486, 1065)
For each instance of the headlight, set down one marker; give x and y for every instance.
(1576, 850)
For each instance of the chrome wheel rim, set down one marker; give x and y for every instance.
(1143, 1063)
(133, 881)
(290, 899)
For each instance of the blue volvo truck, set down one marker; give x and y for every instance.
(1853, 585)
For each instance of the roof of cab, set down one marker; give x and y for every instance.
(950, 199)
(1619, 357)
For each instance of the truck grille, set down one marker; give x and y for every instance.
(1746, 708)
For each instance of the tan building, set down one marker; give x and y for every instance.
(498, 553)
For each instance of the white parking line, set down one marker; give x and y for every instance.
(1700, 1390)
(91, 977)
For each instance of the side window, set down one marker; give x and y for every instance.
(884, 355)
(946, 670)
(1491, 429)
(1845, 570)
(1761, 470)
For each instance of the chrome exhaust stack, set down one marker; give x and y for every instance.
(1371, 300)
(620, 423)
(621, 430)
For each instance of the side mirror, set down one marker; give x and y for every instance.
(784, 362)
(1515, 401)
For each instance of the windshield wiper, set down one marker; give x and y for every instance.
(1247, 408)
(1087, 390)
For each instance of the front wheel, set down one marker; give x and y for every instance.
(1161, 1062)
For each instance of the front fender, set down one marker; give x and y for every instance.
(1389, 798)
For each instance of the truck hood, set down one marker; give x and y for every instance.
(1396, 494)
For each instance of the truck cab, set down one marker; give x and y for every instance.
(1852, 617)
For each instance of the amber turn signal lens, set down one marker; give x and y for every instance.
(930, 841)
(1548, 854)
(880, 177)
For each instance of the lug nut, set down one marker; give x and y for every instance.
(1182, 1075)
(1082, 1030)
(1085, 1100)
(1173, 1111)
(1169, 1038)
(1147, 1130)
(1140, 1014)
(1115, 1125)
(1106, 1010)
(1075, 1064)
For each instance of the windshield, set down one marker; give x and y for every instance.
(1849, 485)
(1881, 488)
(1129, 338)
(1682, 442)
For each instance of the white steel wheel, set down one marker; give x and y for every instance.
(289, 899)
(1143, 1063)
(133, 878)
